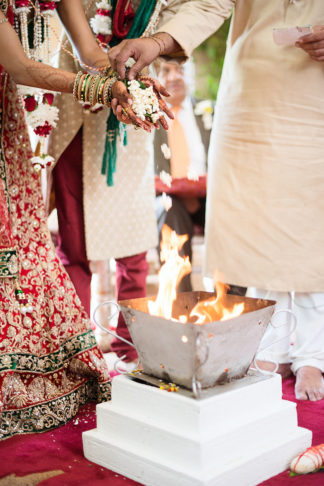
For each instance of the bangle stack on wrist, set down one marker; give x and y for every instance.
(93, 89)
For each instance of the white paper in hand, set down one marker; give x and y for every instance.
(288, 36)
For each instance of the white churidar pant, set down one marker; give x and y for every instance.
(305, 346)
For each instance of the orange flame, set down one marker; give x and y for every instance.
(172, 271)
(174, 268)
(214, 309)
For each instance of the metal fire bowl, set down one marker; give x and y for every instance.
(211, 353)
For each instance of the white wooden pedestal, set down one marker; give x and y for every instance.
(238, 434)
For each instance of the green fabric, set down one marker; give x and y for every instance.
(113, 131)
(141, 19)
(114, 128)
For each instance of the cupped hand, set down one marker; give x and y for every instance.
(159, 90)
(313, 44)
(122, 107)
(121, 104)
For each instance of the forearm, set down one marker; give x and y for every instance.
(194, 22)
(23, 70)
(43, 76)
(73, 18)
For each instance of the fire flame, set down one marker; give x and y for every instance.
(214, 309)
(174, 268)
(172, 271)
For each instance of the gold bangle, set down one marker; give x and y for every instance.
(107, 97)
(105, 93)
(157, 42)
(80, 86)
(87, 87)
(99, 94)
(157, 39)
(108, 72)
(111, 84)
(95, 93)
(80, 91)
(76, 86)
(93, 89)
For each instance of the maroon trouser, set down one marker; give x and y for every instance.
(131, 271)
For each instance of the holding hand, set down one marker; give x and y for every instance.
(313, 44)
(144, 51)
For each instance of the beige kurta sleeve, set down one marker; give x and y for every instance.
(194, 21)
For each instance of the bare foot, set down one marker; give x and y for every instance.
(129, 366)
(283, 369)
(309, 384)
(103, 340)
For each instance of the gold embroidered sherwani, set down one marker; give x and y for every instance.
(265, 204)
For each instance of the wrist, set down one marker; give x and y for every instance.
(167, 43)
(95, 58)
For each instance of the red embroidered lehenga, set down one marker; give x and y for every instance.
(49, 362)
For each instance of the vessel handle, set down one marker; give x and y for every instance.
(294, 325)
(111, 316)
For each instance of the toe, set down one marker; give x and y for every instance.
(319, 394)
(301, 394)
(311, 395)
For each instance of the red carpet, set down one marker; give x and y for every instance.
(61, 450)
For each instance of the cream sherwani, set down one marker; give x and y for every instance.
(120, 220)
(265, 198)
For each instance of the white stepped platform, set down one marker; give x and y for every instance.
(238, 434)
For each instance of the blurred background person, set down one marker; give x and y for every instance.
(188, 141)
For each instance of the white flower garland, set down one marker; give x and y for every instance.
(145, 102)
(41, 117)
(101, 22)
(43, 113)
(42, 161)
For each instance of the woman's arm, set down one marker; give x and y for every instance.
(75, 23)
(28, 72)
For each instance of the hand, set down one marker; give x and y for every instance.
(313, 44)
(143, 51)
(130, 117)
(158, 90)
(121, 106)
